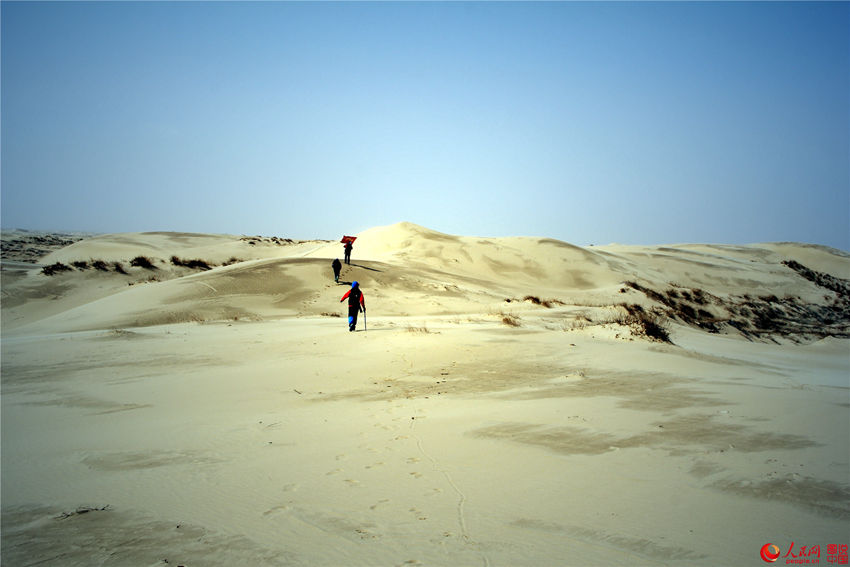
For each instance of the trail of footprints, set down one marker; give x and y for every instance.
(412, 462)
(409, 443)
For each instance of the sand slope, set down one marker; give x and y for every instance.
(502, 409)
(407, 270)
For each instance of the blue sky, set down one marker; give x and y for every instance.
(632, 122)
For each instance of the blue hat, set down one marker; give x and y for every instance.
(354, 284)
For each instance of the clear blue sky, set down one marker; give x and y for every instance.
(643, 123)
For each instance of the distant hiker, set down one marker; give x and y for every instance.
(337, 266)
(356, 304)
(348, 246)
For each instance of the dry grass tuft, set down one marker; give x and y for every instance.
(547, 303)
(192, 264)
(142, 262)
(645, 323)
(56, 268)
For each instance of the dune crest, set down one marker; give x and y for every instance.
(407, 268)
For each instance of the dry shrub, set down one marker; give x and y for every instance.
(548, 303)
(56, 268)
(192, 264)
(142, 262)
(582, 321)
(510, 320)
(329, 314)
(838, 285)
(645, 323)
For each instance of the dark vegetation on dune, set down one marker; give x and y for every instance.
(142, 262)
(760, 317)
(30, 249)
(827, 281)
(56, 268)
(649, 324)
(254, 240)
(192, 264)
(547, 303)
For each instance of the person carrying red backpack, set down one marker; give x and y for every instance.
(356, 304)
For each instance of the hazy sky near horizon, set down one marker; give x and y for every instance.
(633, 122)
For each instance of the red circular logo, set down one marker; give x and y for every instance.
(770, 552)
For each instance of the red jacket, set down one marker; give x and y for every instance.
(352, 300)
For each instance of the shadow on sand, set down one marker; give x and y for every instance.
(366, 267)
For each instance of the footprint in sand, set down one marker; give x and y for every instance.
(378, 464)
(276, 510)
(416, 475)
(412, 460)
(352, 482)
(365, 534)
(335, 471)
(378, 503)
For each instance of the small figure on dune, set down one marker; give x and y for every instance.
(356, 304)
(348, 247)
(337, 266)
(348, 244)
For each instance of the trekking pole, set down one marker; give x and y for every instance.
(365, 328)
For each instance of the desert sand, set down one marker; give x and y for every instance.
(508, 401)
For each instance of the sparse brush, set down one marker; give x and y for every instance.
(192, 264)
(56, 268)
(99, 265)
(329, 314)
(142, 262)
(838, 285)
(645, 323)
(511, 320)
(548, 303)
(423, 329)
(80, 264)
(232, 260)
(119, 267)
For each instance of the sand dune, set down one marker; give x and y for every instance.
(505, 406)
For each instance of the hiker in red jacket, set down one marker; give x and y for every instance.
(356, 304)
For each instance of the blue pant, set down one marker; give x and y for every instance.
(353, 310)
